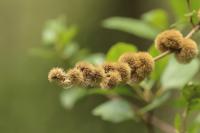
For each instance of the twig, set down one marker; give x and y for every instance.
(184, 121)
(163, 126)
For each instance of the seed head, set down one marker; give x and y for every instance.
(91, 74)
(144, 67)
(109, 66)
(124, 71)
(169, 40)
(110, 80)
(74, 77)
(129, 58)
(188, 52)
(57, 74)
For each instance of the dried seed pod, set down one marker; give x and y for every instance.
(74, 77)
(110, 80)
(91, 74)
(124, 71)
(144, 67)
(188, 52)
(169, 40)
(109, 66)
(129, 58)
(57, 74)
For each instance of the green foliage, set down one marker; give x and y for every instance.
(177, 75)
(158, 101)
(168, 73)
(118, 49)
(191, 92)
(70, 97)
(132, 26)
(157, 18)
(116, 110)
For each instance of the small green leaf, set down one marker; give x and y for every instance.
(71, 96)
(177, 75)
(52, 29)
(155, 103)
(191, 92)
(159, 65)
(95, 59)
(116, 110)
(132, 26)
(70, 50)
(66, 36)
(118, 49)
(157, 18)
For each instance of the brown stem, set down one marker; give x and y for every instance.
(184, 121)
(189, 35)
(162, 55)
(150, 126)
(163, 126)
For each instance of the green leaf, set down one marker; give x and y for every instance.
(191, 92)
(116, 110)
(158, 101)
(177, 75)
(120, 90)
(70, 97)
(157, 18)
(70, 50)
(52, 29)
(96, 59)
(132, 26)
(159, 65)
(179, 8)
(66, 36)
(118, 49)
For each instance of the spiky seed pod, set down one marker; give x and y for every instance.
(169, 40)
(74, 77)
(110, 80)
(133, 61)
(124, 71)
(144, 66)
(98, 76)
(129, 58)
(188, 52)
(58, 75)
(91, 74)
(109, 66)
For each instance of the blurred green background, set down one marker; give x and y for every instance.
(28, 102)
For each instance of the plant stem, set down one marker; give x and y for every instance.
(162, 55)
(184, 121)
(189, 35)
(150, 127)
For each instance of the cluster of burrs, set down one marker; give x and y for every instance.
(130, 68)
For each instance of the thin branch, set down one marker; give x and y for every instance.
(162, 55)
(163, 126)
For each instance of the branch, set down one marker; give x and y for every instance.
(189, 35)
